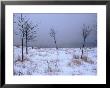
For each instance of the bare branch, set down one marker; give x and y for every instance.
(53, 35)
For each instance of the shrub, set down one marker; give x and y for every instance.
(75, 62)
(86, 59)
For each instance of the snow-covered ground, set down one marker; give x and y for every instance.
(49, 61)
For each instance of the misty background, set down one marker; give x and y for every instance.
(68, 28)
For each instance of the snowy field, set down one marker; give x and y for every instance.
(49, 61)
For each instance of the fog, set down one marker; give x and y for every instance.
(68, 28)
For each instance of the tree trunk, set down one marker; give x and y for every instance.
(55, 43)
(83, 49)
(22, 49)
(82, 53)
(26, 44)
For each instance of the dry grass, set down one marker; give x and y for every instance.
(87, 59)
(53, 67)
(84, 58)
(75, 62)
(19, 59)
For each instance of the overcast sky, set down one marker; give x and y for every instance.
(68, 28)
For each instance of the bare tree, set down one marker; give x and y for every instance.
(30, 33)
(53, 35)
(86, 30)
(27, 31)
(21, 26)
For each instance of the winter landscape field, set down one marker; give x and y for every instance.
(49, 61)
(55, 44)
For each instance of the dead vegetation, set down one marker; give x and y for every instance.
(87, 59)
(53, 67)
(77, 61)
(19, 60)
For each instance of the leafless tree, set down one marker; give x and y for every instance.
(21, 26)
(27, 31)
(30, 33)
(86, 30)
(53, 35)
